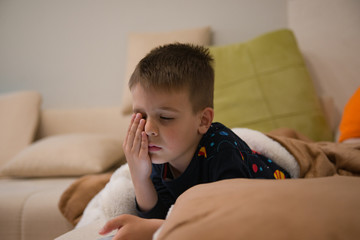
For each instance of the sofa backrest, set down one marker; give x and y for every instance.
(92, 120)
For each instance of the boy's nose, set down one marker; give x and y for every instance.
(150, 128)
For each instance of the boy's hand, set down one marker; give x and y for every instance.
(131, 227)
(137, 155)
(136, 149)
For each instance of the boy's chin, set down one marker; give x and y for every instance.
(156, 160)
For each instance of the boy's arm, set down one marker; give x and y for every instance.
(136, 151)
(165, 198)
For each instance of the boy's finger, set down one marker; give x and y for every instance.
(138, 138)
(111, 225)
(129, 128)
(131, 122)
(144, 145)
(133, 129)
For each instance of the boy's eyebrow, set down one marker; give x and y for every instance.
(169, 109)
(137, 110)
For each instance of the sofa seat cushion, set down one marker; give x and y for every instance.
(29, 208)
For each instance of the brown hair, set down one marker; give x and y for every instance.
(176, 67)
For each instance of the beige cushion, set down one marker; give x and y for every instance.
(317, 208)
(66, 155)
(19, 115)
(139, 44)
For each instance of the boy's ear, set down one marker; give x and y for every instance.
(206, 118)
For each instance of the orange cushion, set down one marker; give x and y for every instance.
(350, 122)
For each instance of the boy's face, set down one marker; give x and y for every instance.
(171, 125)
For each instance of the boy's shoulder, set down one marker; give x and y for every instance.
(220, 141)
(220, 136)
(219, 130)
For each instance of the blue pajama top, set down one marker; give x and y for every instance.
(221, 154)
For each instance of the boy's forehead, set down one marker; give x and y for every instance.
(158, 90)
(163, 99)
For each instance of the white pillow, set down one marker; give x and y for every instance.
(140, 44)
(66, 155)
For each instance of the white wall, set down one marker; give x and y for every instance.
(74, 51)
(328, 33)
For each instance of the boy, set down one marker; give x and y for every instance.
(172, 144)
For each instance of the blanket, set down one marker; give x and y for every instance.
(107, 195)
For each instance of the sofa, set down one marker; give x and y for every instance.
(29, 199)
(46, 152)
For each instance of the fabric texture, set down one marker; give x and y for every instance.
(99, 197)
(66, 155)
(350, 121)
(321, 208)
(29, 208)
(19, 117)
(98, 120)
(74, 200)
(90, 231)
(263, 84)
(140, 44)
(321, 159)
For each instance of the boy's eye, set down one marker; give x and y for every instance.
(143, 116)
(166, 118)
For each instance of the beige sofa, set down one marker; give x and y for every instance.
(29, 206)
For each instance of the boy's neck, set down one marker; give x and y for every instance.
(178, 168)
(175, 172)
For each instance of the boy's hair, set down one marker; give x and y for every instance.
(175, 67)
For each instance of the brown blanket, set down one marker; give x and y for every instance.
(321, 159)
(75, 199)
(316, 159)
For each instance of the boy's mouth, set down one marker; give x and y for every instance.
(153, 148)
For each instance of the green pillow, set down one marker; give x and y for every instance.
(263, 84)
